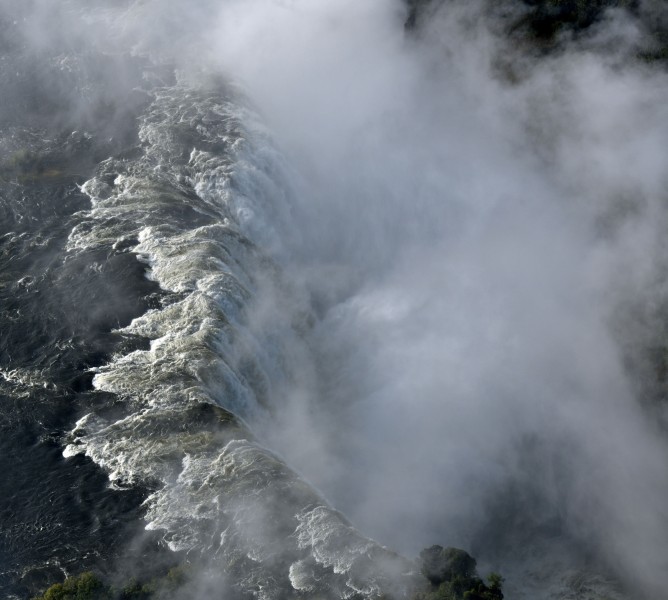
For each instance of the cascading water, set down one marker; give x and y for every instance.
(188, 214)
(278, 279)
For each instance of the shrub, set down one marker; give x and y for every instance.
(84, 587)
(452, 575)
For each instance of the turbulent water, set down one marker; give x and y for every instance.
(168, 235)
(219, 352)
(130, 268)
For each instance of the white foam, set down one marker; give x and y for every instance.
(228, 338)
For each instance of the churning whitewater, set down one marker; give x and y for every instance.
(190, 214)
(290, 291)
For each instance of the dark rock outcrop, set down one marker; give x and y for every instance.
(544, 21)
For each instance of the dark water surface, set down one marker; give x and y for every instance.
(57, 311)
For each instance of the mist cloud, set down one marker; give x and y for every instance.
(485, 233)
(480, 228)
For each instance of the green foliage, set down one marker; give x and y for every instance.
(452, 575)
(176, 577)
(444, 564)
(134, 590)
(84, 587)
(88, 587)
(494, 580)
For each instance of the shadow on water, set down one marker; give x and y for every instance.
(58, 310)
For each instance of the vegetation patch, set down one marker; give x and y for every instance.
(452, 575)
(89, 586)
